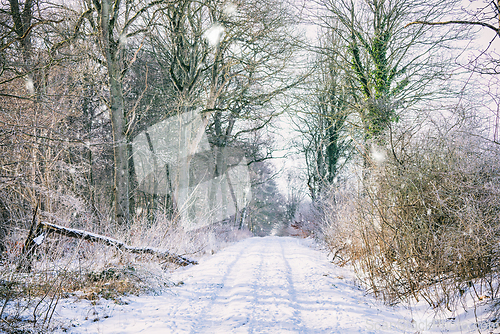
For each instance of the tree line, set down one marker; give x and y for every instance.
(80, 81)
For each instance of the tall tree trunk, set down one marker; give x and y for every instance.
(112, 53)
(120, 148)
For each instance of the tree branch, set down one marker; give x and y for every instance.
(475, 23)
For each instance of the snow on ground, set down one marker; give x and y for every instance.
(258, 285)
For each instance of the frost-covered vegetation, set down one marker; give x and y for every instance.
(403, 162)
(155, 124)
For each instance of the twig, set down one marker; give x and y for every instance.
(28, 247)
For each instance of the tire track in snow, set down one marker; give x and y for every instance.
(202, 317)
(232, 303)
(274, 298)
(292, 292)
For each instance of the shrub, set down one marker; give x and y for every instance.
(425, 224)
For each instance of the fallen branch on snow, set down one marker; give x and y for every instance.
(45, 228)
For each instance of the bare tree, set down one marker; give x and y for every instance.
(219, 59)
(485, 15)
(114, 23)
(34, 144)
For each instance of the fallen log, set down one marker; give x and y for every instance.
(47, 228)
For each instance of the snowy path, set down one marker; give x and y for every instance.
(259, 285)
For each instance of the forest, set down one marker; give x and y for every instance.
(137, 135)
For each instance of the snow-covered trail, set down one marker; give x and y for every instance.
(258, 285)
